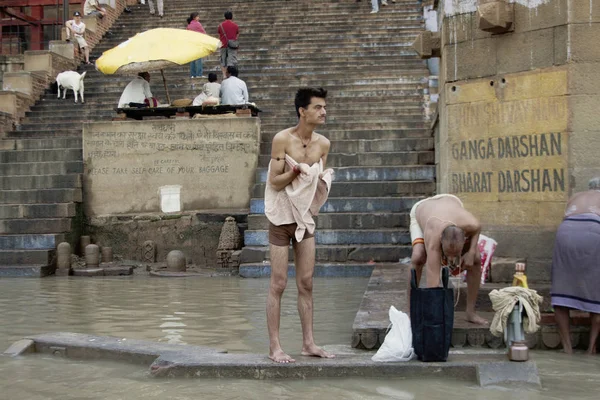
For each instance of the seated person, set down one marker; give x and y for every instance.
(210, 89)
(91, 7)
(138, 92)
(76, 29)
(233, 90)
(575, 266)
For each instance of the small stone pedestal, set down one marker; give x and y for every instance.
(176, 261)
(63, 259)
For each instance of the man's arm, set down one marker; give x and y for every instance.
(434, 264)
(245, 92)
(472, 230)
(326, 148)
(147, 92)
(278, 178)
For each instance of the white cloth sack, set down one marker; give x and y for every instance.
(397, 345)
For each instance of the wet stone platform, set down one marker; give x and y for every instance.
(172, 360)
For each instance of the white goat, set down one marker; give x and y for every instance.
(70, 80)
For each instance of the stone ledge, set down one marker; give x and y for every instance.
(171, 360)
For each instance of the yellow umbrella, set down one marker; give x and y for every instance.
(157, 49)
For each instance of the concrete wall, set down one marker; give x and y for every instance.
(130, 166)
(518, 129)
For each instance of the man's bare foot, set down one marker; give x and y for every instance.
(567, 350)
(592, 351)
(315, 351)
(280, 357)
(476, 319)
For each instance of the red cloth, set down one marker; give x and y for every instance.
(196, 26)
(231, 29)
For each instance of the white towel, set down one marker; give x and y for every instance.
(301, 200)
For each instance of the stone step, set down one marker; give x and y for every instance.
(370, 189)
(370, 159)
(42, 168)
(322, 269)
(29, 134)
(37, 241)
(16, 182)
(40, 155)
(47, 144)
(264, 87)
(45, 225)
(343, 221)
(340, 237)
(370, 175)
(483, 302)
(354, 204)
(363, 134)
(40, 196)
(60, 210)
(408, 150)
(20, 257)
(337, 253)
(26, 271)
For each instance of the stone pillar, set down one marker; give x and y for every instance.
(63, 262)
(107, 254)
(83, 243)
(92, 256)
(176, 261)
(149, 251)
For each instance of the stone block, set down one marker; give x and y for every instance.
(468, 60)
(546, 15)
(522, 243)
(252, 255)
(525, 51)
(561, 49)
(38, 60)
(503, 269)
(91, 23)
(428, 44)
(583, 12)
(8, 102)
(118, 270)
(583, 113)
(20, 347)
(62, 48)
(63, 271)
(583, 78)
(583, 149)
(495, 16)
(583, 38)
(19, 82)
(88, 272)
(580, 177)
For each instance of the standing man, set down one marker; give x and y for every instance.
(159, 6)
(298, 156)
(443, 233)
(233, 90)
(76, 28)
(91, 7)
(228, 33)
(576, 264)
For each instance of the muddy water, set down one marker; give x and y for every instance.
(223, 312)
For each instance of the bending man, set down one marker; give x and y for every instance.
(576, 265)
(297, 186)
(443, 233)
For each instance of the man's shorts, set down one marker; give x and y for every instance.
(81, 42)
(280, 235)
(228, 57)
(416, 232)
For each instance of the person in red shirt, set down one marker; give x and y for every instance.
(228, 33)
(196, 70)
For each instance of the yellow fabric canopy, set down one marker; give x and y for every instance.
(156, 49)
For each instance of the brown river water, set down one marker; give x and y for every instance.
(221, 312)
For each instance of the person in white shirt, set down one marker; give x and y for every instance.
(76, 28)
(233, 90)
(91, 7)
(138, 91)
(212, 88)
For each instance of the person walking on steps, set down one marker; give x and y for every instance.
(196, 69)
(228, 33)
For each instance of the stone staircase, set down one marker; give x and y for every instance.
(381, 149)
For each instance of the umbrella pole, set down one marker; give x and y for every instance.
(166, 89)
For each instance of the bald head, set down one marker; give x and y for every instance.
(453, 241)
(594, 183)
